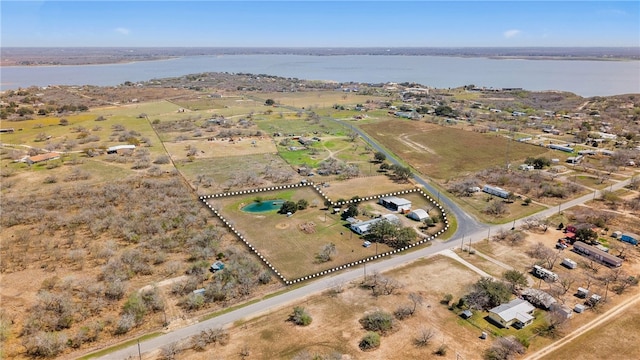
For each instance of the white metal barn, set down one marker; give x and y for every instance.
(418, 215)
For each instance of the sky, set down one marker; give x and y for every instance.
(424, 23)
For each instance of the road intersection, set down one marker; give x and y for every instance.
(470, 228)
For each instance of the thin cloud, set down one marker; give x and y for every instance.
(123, 31)
(511, 33)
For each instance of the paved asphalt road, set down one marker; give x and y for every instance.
(466, 223)
(470, 229)
(315, 287)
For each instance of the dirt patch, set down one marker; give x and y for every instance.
(282, 226)
(335, 326)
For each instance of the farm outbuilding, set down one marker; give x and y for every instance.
(117, 148)
(539, 298)
(418, 215)
(42, 157)
(395, 203)
(517, 312)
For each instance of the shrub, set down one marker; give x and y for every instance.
(300, 316)
(370, 341)
(379, 321)
(442, 350)
(44, 344)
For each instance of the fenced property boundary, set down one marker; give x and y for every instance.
(324, 196)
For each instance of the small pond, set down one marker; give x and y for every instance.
(263, 206)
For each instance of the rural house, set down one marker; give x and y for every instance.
(362, 228)
(494, 190)
(395, 203)
(517, 312)
(596, 254)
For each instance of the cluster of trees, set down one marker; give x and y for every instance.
(486, 293)
(72, 312)
(239, 278)
(539, 162)
(293, 206)
(391, 233)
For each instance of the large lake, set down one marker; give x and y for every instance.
(585, 78)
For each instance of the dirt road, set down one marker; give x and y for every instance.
(583, 329)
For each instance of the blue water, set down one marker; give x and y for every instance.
(263, 206)
(583, 77)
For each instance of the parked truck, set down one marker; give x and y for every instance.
(629, 238)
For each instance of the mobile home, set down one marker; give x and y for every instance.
(596, 254)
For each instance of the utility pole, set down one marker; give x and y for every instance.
(139, 353)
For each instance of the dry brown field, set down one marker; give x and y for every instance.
(366, 186)
(444, 153)
(335, 324)
(293, 250)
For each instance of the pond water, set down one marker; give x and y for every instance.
(263, 206)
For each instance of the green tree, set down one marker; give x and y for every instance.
(586, 235)
(379, 156)
(378, 321)
(288, 207)
(302, 204)
(383, 231)
(444, 110)
(515, 279)
(351, 211)
(269, 102)
(487, 293)
(404, 237)
(401, 172)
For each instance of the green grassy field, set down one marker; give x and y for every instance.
(443, 152)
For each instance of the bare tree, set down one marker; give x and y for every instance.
(424, 337)
(505, 348)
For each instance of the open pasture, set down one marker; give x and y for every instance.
(444, 153)
(312, 100)
(282, 241)
(223, 170)
(220, 147)
(367, 186)
(289, 123)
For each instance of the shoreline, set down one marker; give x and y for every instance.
(16, 63)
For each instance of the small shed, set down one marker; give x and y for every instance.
(582, 292)
(579, 308)
(466, 314)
